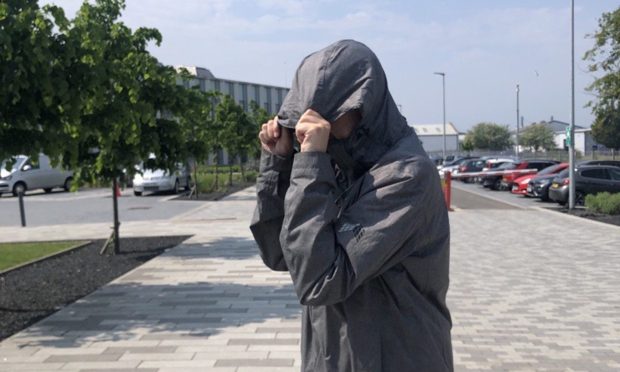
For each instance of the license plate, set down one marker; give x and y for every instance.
(555, 185)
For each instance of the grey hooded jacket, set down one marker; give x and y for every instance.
(362, 229)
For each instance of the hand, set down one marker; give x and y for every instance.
(276, 140)
(312, 132)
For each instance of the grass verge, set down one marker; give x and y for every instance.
(16, 254)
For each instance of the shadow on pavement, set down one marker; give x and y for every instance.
(193, 291)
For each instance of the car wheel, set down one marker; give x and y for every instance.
(497, 184)
(137, 193)
(580, 198)
(67, 185)
(176, 187)
(47, 190)
(18, 188)
(188, 184)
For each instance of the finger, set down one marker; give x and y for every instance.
(276, 129)
(270, 129)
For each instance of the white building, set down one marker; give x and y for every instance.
(431, 136)
(269, 97)
(584, 143)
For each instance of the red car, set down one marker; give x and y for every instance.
(509, 177)
(519, 185)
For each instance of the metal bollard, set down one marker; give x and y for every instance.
(21, 208)
(448, 189)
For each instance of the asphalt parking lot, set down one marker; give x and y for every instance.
(474, 196)
(90, 206)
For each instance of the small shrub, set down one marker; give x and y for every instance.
(604, 203)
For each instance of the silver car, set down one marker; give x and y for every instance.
(26, 174)
(161, 180)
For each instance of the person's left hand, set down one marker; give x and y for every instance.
(312, 132)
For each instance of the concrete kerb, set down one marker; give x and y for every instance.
(582, 219)
(496, 199)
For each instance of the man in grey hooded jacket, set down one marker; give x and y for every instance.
(358, 219)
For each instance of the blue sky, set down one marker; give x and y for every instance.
(485, 47)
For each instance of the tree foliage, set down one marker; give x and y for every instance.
(604, 59)
(537, 136)
(35, 97)
(489, 136)
(129, 100)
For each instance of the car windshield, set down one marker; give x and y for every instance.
(19, 160)
(508, 165)
(563, 174)
(551, 169)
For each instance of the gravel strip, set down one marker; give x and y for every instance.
(33, 292)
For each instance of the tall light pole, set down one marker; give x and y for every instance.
(571, 145)
(443, 79)
(517, 134)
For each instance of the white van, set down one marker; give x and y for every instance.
(26, 174)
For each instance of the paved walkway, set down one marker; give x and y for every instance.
(530, 290)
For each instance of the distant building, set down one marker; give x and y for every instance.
(584, 142)
(431, 136)
(269, 97)
(558, 126)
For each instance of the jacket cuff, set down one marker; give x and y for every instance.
(314, 164)
(270, 162)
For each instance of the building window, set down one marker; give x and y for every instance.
(217, 86)
(244, 97)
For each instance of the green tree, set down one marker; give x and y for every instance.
(489, 136)
(258, 117)
(537, 136)
(604, 59)
(129, 101)
(197, 120)
(467, 145)
(606, 129)
(235, 126)
(35, 100)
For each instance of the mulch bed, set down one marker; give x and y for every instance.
(33, 292)
(584, 213)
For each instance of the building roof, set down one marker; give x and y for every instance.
(203, 73)
(434, 129)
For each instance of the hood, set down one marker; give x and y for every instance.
(342, 77)
(4, 172)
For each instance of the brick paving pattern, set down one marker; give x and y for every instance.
(530, 291)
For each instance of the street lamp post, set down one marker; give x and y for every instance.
(517, 134)
(443, 79)
(571, 145)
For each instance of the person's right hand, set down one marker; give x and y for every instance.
(276, 140)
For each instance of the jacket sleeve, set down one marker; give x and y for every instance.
(329, 256)
(271, 185)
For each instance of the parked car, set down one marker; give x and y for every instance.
(525, 167)
(452, 166)
(161, 180)
(470, 166)
(32, 174)
(538, 185)
(490, 178)
(589, 179)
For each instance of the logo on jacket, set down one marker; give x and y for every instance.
(357, 229)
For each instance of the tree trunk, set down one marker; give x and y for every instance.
(117, 243)
(243, 180)
(217, 173)
(230, 172)
(196, 179)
